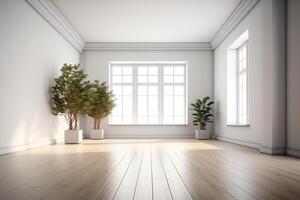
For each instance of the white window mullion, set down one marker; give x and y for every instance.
(148, 94)
(173, 96)
(160, 94)
(134, 94)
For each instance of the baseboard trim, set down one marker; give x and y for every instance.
(240, 142)
(272, 151)
(13, 149)
(293, 152)
(191, 136)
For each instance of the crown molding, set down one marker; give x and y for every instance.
(56, 19)
(147, 46)
(235, 18)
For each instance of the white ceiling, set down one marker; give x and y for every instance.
(146, 20)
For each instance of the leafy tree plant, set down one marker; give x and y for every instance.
(101, 102)
(202, 112)
(70, 94)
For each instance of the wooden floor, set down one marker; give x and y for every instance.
(148, 169)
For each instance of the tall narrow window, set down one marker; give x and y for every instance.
(149, 92)
(237, 82)
(242, 85)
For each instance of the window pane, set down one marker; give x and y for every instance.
(127, 102)
(179, 120)
(153, 90)
(179, 90)
(127, 79)
(117, 70)
(116, 119)
(153, 71)
(117, 79)
(178, 70)
(179, 105)
(127, 90)
(153, 79)
(142, 119)
(127, 119)
(168, 119)
(142, 79)
(168, 105)
(168, 70)
(178, 79)
(153, 120)
(168, 90)
(240, 55)
(142, 90)
(153, 105)
(245, 51)
(142, 105)
(127, 70)
(168, 79)
(117, 90)
(142, 70)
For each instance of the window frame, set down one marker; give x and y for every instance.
(239, 74)
(160, 85)
(233, 79)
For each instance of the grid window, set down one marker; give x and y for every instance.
(242, 110)
(149, 93)
(237, 86)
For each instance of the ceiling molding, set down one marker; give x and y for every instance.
(236, 17)
(147, 46)
(56, 19)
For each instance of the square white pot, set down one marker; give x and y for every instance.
(97, 134)
(73, 136)
(202, 134)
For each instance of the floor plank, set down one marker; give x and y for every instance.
(161, 188)
(144, 184)
(146, 170)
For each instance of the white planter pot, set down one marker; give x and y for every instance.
(202, 134)
(73, 136)
(97, 134)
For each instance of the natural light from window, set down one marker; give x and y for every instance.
(237, 82)
(149, 93)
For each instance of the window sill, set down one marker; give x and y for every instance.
(238, 125)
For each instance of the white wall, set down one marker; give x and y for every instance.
(31, 55)
(293, 77)
(266, 46)
(200, 82)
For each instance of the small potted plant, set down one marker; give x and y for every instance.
(69, 98)
(101, 103)
(202, 115)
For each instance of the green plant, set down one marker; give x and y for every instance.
(202, 112)
(70, 94)
(101, 102)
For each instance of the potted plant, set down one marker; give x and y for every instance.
(101, 103)
(202, 115)
(69, 98)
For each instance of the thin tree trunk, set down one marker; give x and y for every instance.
(99, 122)
(70, 124)
(76, 121)
(95, 123)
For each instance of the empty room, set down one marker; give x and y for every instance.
(149, 99)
